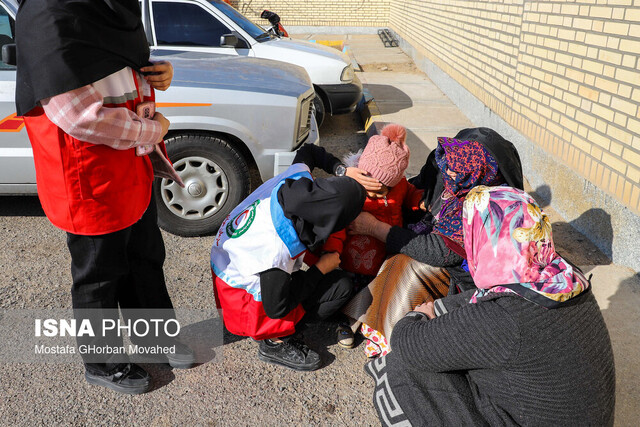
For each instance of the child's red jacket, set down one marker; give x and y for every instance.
(365, 254)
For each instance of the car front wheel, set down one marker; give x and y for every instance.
(320, 111)
(216, 179)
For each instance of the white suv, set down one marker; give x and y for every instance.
(200, 25)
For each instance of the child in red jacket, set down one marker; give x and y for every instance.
(385, 158)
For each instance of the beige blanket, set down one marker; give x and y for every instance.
(401, 284)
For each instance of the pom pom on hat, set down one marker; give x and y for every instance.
(386, 156)
(395, 132)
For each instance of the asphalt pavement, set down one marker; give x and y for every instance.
(235, 388)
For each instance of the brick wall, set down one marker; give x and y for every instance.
(564, 74)
(335, 13)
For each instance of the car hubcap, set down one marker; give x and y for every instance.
(205, 191)
(195, 189)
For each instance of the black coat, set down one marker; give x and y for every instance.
(77, 42)
(501, 361)
(504, 152)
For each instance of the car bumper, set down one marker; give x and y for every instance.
(343, 98)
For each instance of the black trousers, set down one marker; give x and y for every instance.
(333, 291)
(426, 399)
(117, 270)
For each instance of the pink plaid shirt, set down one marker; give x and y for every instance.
(81, 114)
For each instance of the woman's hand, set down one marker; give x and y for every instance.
(427, 308)
(328, 262)
(369, 183)
(364, 223)
(367, 224)
(162, 74)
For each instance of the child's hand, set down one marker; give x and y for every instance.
(362, 176)
(162, 74)
(328, 262)
(426, 308)
(422, 206)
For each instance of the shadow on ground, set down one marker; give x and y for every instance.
(389, 99)
(572, 244)
(20, 206)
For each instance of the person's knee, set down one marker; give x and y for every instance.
(337, 295)
(344, 289)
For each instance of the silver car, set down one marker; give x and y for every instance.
(231, 118)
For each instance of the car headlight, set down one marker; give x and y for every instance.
(347, 74)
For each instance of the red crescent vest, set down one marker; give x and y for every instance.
(255, 237)
(86, 188)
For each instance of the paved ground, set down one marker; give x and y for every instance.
(237, 389)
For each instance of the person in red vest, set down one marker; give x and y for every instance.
(82, 71)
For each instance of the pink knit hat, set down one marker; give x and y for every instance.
(386, 156)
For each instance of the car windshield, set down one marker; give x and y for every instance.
(255, 31)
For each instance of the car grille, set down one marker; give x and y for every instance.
(304, 120)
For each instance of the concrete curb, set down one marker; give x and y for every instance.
(337, 44)
(314, 29)
(371, 116)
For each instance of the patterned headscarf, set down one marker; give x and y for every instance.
(474, 166)
(510, 249)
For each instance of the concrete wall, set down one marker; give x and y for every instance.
(312, 13)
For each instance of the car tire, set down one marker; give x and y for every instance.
(216, 178)
(320, 111)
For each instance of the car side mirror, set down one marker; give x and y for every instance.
(233, 40)
(9, 54)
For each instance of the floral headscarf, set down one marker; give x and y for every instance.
(474, 166)
(510, 249)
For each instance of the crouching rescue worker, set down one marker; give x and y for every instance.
(257, 256)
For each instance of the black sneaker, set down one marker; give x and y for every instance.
(182, 358)
(130, 379)
(293, 354)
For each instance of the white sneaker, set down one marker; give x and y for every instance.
(345, 336)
